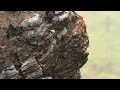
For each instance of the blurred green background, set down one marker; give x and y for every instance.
(103, 28)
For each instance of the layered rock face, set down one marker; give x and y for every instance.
(48, 45)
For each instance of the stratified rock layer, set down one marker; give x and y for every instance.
(51, 46)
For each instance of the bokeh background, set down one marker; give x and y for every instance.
(103, 28)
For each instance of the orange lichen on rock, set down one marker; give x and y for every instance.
(81, 25)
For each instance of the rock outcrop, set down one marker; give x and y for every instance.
(48, 45)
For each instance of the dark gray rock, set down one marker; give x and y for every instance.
(49, 45)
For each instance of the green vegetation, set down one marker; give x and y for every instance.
(103, 28)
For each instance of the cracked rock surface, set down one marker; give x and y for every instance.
(43, 45)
